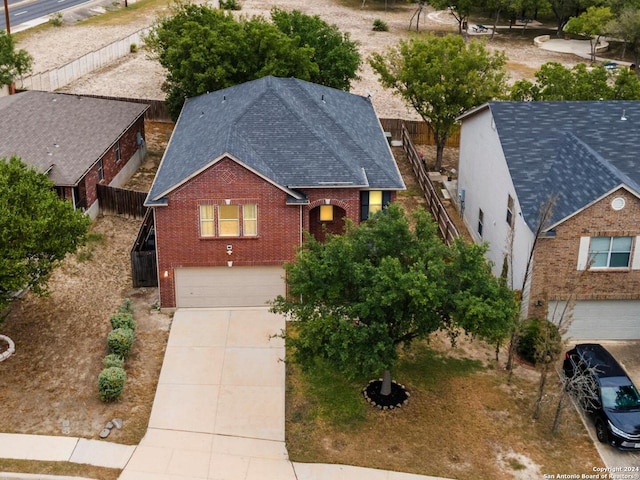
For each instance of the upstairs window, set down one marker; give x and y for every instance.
(100, 170)
(117, 150)
(480, 221)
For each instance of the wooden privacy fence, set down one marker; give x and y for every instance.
(144, 269)
(119, 201)
(419, 131)
(157, 111)
(445, 224)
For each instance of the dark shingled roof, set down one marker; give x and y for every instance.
(64, 133)
(577, 151)
(295, 133)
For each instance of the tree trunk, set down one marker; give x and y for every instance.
(385, 389)
(439, 153)
(495, 24)
(510, 356)
(541, 387)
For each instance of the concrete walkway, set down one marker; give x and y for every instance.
(218, 413)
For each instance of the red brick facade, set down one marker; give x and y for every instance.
(555, 273)
(128, 145)
(280, 226)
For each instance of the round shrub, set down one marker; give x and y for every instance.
(113, 360)
(538, 341)
(123, 320)
(380, 25)
(120, 341)
(111, 383)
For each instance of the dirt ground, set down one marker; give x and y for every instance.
(49, 385)
(139, 76)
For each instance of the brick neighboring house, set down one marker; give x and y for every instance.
(248, 169)
(78, 141)
(514, 156)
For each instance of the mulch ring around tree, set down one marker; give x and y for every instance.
(398, 397)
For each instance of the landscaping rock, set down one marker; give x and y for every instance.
(105, 433)
(117, 422)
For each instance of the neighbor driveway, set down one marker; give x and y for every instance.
(219, 411)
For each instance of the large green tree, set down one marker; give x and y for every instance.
(593, 24)
(360, 296)
(626, 26)
(555, 82)
(334, 52)
(441, 77)
(37, 229)
(206, 49)
(13, 63)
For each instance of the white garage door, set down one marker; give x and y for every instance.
(603, 319)
(228, 286)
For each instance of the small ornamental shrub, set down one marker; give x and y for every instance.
(539, 341)
(133, 48)
(111, 383)
(56, 19)
(120, 341)
(113, 360)
(123, 320)
(126, 307)
(230, 5)
(380, 25)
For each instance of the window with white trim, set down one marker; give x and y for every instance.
(228, 220)
(480, 221)
(207, 221)
(100, 170)
(610, 252)
(117, 151)
(250, 220)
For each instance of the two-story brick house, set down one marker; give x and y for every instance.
(247, 171)
(515, 158)
(78, 141)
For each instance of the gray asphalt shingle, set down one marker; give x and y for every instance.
(577, 151)
(67, 133)
(297, 134)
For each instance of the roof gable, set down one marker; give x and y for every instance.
(297, 134)
(574, 151)
(60, 133)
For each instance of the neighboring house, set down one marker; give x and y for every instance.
(250, 168)
(514, 157)
(78, 141)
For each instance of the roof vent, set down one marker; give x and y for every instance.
(323, 99)
(623, 117)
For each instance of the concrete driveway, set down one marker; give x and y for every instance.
(219, 407)
(628, 355)
(218, 413)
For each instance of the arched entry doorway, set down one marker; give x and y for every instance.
(325, 219)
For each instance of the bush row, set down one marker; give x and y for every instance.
(112, 378)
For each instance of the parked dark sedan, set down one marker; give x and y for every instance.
(606, 392)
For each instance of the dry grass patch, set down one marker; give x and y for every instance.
(462, 420)
(59, 468)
